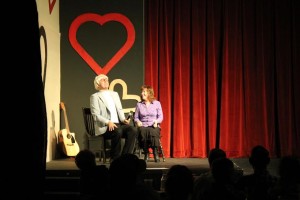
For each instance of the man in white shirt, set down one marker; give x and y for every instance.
(109, 118)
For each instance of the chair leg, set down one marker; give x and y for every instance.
(140, 153)
(104, 156)
(99, 155)
(161, 151)
(137, 149)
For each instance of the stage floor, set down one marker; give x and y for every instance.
(62, 175)
(197, 165)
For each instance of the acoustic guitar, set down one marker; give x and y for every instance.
(67, 139)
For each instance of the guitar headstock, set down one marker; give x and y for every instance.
(62, 105)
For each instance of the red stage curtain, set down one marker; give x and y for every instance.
(226, 73)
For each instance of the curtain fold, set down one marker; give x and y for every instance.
(226, 73)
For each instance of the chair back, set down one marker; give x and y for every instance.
(88, 121)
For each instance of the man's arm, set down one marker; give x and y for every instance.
(98, 110)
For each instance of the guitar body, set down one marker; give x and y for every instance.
(67, 139)
(68, 143)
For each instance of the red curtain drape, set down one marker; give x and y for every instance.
(226, 73)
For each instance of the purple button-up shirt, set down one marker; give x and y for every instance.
(147, 115)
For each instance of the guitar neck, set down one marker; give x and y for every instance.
(66, 121)
(65, 117)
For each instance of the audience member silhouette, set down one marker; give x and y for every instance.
(206, 179)
(28, 41)
(141, 172)
(179, 183)
(94, 179)
(126, 172)
(222, 185)
(257, 185)
(144, 190)
(288, 186)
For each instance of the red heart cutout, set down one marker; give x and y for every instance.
(51, 5)
(102, 20)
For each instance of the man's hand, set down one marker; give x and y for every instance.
(111, 126)
(126, 121)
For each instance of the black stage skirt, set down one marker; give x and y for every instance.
(149, 135)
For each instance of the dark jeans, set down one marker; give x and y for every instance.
(123, 131)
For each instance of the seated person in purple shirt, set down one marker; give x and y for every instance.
(148, 115)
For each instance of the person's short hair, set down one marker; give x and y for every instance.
(179, 181)
(98, 79)
(222, 169)
(259, 156)
(85, 159)
(214, 154)
(124, 170)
